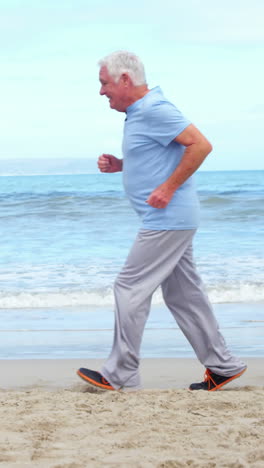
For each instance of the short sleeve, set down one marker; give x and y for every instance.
(165, 122)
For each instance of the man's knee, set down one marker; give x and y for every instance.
(124, 281)
(121, 284)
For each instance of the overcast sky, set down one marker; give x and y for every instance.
(208, 57)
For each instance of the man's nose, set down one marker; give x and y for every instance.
(102, 91)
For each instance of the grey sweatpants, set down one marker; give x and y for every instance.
(163, 258)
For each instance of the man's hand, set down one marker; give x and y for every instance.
(161, 196)
(109, 163)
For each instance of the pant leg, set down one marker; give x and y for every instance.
(184, 294)
(152, 258)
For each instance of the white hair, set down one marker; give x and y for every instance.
(124, 62)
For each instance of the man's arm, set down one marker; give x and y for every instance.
(109, 163)
(197, 148)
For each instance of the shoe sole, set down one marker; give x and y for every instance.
(227, 381)
(93, 382)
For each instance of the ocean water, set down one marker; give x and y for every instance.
(65, 237)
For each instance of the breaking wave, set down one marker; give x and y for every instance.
(236, 293)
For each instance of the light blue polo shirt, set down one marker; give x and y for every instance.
(150, 156)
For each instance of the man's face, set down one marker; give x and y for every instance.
(115, 92)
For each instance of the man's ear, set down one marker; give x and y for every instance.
(125, 79)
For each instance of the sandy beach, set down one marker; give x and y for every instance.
(50, 418)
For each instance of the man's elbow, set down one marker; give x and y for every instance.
(208, 148)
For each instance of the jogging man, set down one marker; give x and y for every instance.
(161, 151)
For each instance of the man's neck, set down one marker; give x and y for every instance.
(138, 93)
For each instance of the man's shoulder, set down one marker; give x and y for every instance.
(158, 108)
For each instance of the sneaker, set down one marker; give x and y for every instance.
(94, 378)
(213, 381)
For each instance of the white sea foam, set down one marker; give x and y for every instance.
(240, 293)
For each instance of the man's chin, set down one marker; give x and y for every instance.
(112, 106)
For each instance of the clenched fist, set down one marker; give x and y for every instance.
(109, 163)
(161, 196)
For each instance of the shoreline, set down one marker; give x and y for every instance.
(156, 373)
(81, 332)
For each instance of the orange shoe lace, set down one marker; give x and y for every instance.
(208, 378)
(104, 381)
